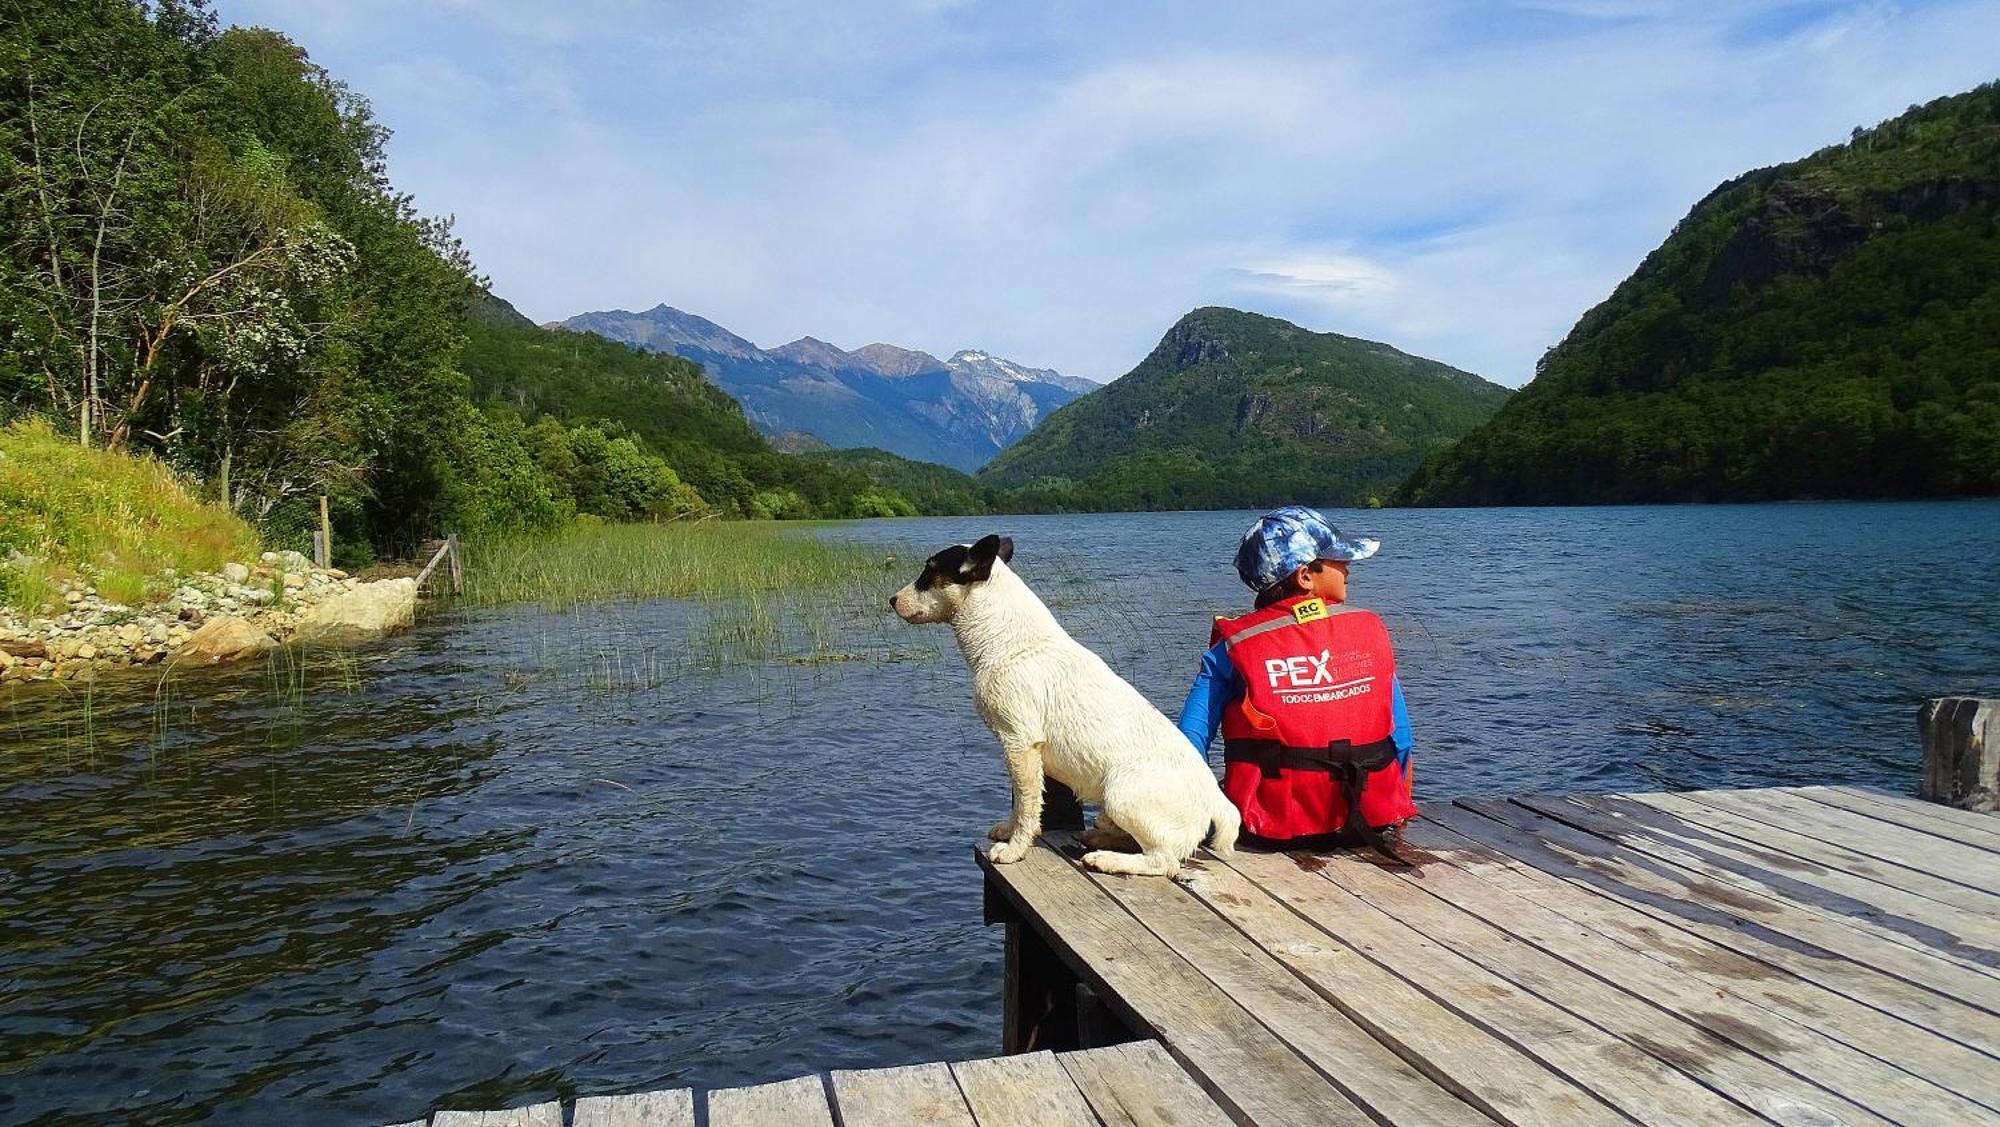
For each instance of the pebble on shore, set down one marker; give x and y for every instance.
(208, 617)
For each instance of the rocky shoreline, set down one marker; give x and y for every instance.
(241, 611)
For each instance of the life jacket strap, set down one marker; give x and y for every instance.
(1348, 763)
(1271, 756)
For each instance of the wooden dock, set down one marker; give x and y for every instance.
(1130, 1085)
(1807, 956)
(1811, 955)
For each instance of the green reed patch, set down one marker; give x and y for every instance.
(761, 562)
(759, 593)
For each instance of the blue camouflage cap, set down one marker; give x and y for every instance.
(1284, 539)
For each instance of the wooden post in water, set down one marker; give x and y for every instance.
(457, 565)
(437, 557)
(1962, 752)
(323, 548)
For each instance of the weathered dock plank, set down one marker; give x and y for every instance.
(1857, 901)
(1029, 1090)
(798, 1103)
(1725, 969)
(642, 1109)
(1965, 826)
(1797, 840)
(1533, 1062)
(1711, 957)
(1139, 1085)
(1453, 1047)
(1751, 1053)
(890, 1097)
(534, 1115)
(1834, 957)
(1968, 865)
(1243, 1064)
(1838, 923)
(1366, 1070)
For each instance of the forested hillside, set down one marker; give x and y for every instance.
(932, 489)
(1236, 409)
(206, 261)
(1824, 328)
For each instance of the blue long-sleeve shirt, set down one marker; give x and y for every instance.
(1218, 685)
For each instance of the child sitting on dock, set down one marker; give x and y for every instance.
(1315, 736)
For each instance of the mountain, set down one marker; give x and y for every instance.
(957, 412)
(1824, 328)
(1237, 409)
(582, 380)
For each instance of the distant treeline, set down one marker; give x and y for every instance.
(206, 261)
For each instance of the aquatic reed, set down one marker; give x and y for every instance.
(705, 560)
(757, 594)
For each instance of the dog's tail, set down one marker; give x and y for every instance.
(1227, 822)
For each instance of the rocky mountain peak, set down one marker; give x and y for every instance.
(813, 351)
(894, 362)
(664, 329)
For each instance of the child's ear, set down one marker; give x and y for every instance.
(979, 561)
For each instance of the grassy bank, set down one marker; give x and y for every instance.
(69, 512)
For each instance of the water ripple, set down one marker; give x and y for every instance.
(513, 855)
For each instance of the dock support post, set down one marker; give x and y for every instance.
(1962, 752)
(1039, 992)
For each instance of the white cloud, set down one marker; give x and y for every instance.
(1339, 280)
(1058, 184)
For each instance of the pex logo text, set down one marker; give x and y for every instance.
(1304, 672)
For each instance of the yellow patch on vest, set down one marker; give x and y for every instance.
(1312, 610)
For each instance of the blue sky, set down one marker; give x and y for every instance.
(1057, 182)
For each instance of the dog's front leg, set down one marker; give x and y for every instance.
(1024, 770)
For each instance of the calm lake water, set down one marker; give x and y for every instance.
(513, 854)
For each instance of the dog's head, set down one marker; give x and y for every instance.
(948, 577)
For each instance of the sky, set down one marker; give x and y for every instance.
(1058, 182)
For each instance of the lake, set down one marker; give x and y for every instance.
(513, 853)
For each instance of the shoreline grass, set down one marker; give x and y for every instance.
(703, 561)
(758, 593)
(118, 521)
(772, 607)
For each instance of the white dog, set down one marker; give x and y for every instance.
(1060, 711)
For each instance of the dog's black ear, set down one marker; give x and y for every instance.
(979, 561)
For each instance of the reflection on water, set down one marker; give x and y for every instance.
(513, 854)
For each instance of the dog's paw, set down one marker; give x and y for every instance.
(1006, 853)
(1001, 831)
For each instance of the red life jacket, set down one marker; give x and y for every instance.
(1306, 749)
